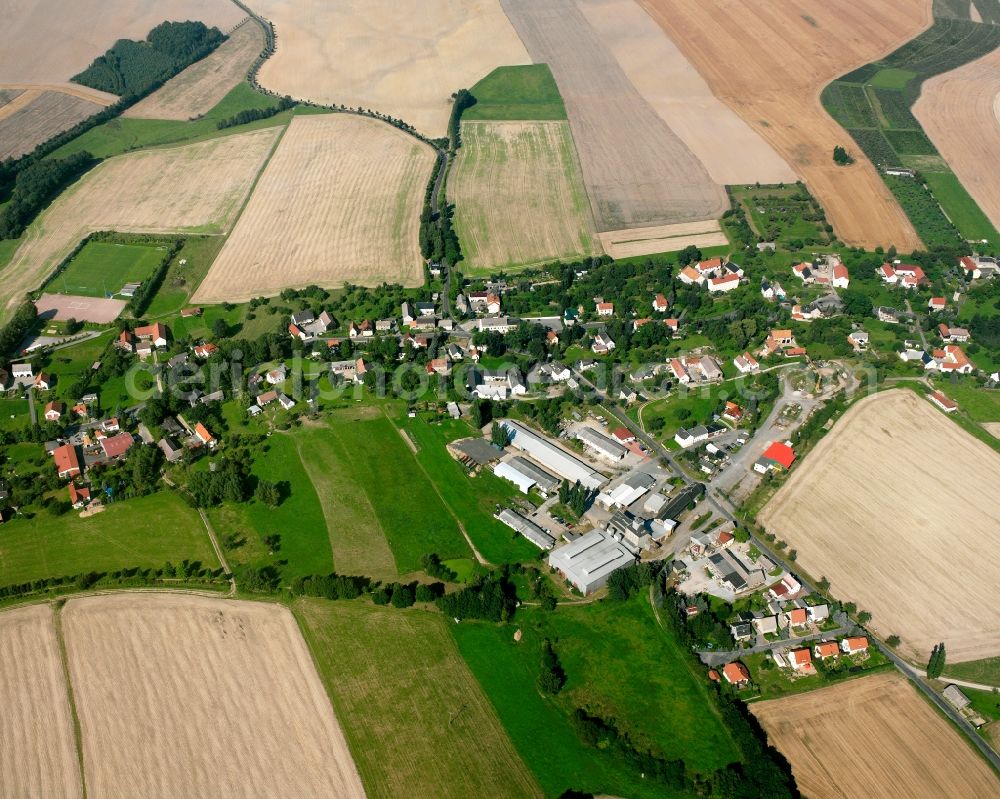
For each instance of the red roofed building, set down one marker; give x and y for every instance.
(797, 617)
(841, 278)
(936, 303)
(827, 649)
(67, 461)
(854, 645)
(724, 540)
(155, 334)
(204, 351)
(736, 674)
(660, 303)
(778, 454)
(801, 659)
(623, 434)
(116, 446)
(54, 411)
(713, 675)
(78, 497)
(202, 434)
(945, 404)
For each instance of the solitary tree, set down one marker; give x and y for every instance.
(893, 641)
(841, 156)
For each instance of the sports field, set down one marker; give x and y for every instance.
(144, 532)
(770, 61)
(356, 219)
(101, 269)
(37, 749)
(416, 719)
(197, 188)
(915, 543)
(519, 195)
(180, 695)
(200, 87)
(873, 736)
(403, 59)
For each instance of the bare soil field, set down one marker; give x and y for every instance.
(46, 41)
(37, 749)
(972, 148)
(201, 86)
(662, 238)
(37, 116)
(637, 171)
(895, 506)
(519, 195)
(84, 309)
(338, 202)
(7, 95)
(180, 695)
(403, 59)
(770, 61)
(195, 188)
(873, 737)
(729, 148)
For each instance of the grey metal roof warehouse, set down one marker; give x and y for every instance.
(552, 457)
(535, 534)
(591, 559)
(546, 481)
(604, 445)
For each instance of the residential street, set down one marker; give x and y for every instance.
(719, 658)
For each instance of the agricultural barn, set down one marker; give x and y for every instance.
(551, 457)
(590, 560)
(601, 444)
(525, 475)
(535, 534)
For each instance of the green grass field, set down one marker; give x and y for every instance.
(180, 282)
(520, 92)
(619, 664)
(416, 720)
(892, 78)
(968, 217)
(986, 671)
(145, 532)
(981, 404)
(102, 268)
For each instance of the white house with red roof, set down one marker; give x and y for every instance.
(205, 351)
(908, 276)
(936, 304)
(724, 283)
(746, 364)
(953, 334)
(203, 435)
(156, 334)
(777, 455)
(951, 358)
(691, 276)
(623, 434)
(826, 650)
(945, 404)
(841, 277)
(54, 411)
(78, 495)
(660, 304)
(851, 646)
(605, 308)
(801, 660)
(736, 674)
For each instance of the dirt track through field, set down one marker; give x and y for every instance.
(195, 188)
(896, 507)
(769, 62)
(185, 696)
(519, 195)
(46, 41)
(35, 117)
(960, 112)
(403, 59)
(37, 749)
(637, 171)
(873, 737)
(730, 150)
(338, 202)
(201, 86)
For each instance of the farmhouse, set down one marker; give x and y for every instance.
(156, 334)
(945, 404)
(43, 381)
(601, 444)
(733, 573)
(953, 334)
(951, 358)
(746, 364)
(67, 461)
(605, 308)
(116, 446)
(777, 339)
(691, 276)
(526, 475)
(535, 534)
(841, 277)
(551, 457)
(496, 385)
(203, 435)
(907, 276)
(732, 412)
(277, 376)
(977, 267)
(936, 304)
(695, 369)
(205, 351)
(590, 560)
(724, 283)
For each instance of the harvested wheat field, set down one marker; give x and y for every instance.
(46, 41)
(339, 202)
(518, 194)
(960, 112)
(37, 748)
(403, 59)
(195, 188)
(896, 507)
(190, 696)
(993, 428)
(769, 62)
(662, 238)
(873, 737)
(729, 148)
(637, 171)
(36, 116)
(201, 86)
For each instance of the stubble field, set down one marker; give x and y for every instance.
(770, 61)
(895, 507)
(194, 188)
(338, 202)
(193, 696)
(873, 736)
(37, 750)
(729, 148)
(971, 147)
(46, 41)
(404, 59)
(36, 116)
(198, 89)
(662, 238)
(637, 171)
(413, 712)
(519, 196)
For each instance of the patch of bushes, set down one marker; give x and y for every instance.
(35, 187)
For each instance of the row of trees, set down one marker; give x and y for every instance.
(35, 187)
(254, 114)
(935, 665)
(20, 324)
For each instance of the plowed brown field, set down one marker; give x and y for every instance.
(46, 41)
(960, 112)
(873, 737)
(769, 61)
(339, 202)
(896, 507)
(197, 89)
(195, 188)
(404, 59)
(200, 697)
(37, 750)
(37, 116)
